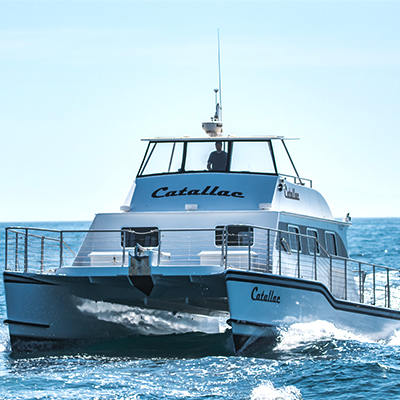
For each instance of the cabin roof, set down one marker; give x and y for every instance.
(217, 138)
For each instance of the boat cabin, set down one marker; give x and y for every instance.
(223, 173)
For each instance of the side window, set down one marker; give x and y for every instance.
(313, 245)
(294, 239)
(252, 157)
(237, 235)
(162, 158)
(330, 240)
(145, 236)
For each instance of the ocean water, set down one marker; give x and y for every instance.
(310, 361)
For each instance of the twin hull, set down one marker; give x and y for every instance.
(73, 308)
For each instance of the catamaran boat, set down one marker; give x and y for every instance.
(214, 227)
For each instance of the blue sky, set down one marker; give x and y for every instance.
(82, 81)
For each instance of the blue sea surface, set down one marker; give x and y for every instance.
(310, 361)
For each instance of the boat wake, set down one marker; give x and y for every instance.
(394, 340)
(5, 345)
(314, 339)
(301, 334)
(267, 391)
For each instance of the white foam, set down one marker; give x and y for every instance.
(298, 334)
(152, 322)
(5, 345)
(394, 340)
(267, 391)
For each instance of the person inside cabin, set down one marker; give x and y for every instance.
(217, 159)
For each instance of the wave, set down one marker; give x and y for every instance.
(5, 345)
(267, 391)
(394, 339)
(300, 334)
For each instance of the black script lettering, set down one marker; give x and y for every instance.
(204, 192)
(165, 192)
(212, 193)
(292, 194)
(270, 298)
(155, 193)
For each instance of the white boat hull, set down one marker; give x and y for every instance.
(261, 304)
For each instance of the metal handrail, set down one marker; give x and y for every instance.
(300, 179)
(315, 260)
(44, 237)
(12, 229)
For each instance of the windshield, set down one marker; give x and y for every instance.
(219, 156)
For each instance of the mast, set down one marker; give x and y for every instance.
(214, 127)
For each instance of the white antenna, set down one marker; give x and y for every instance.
(219, 76)
(214, 127)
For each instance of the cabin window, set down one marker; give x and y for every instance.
(330, 240)
(282, 159)
(237, 235)
(145, 236)
(294, 238)
(252, 157)
(163, 158)
(313, 245)
(198, 153)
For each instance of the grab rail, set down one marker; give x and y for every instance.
(298, 180)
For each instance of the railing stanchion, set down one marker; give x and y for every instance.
(5, 250)
(16, 251)
(388, 287)
(298, 254)
(159, 248)
(373, 285)
(280, 252)
(345, 279)
(123, 247)
(315, 259)
(42, 254)
(26, 251)
(359, 280)
(269, 266)
(249, 247)
(61, 248)
(226, 238)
